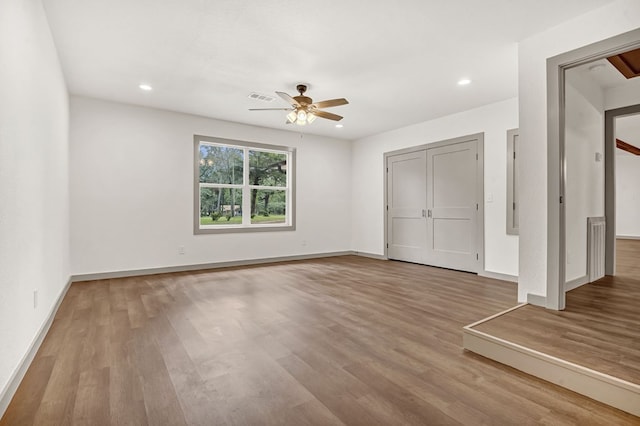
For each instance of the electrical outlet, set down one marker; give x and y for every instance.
(181, 250)
(35, 298)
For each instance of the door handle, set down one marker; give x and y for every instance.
(429, 214)
(424, 213)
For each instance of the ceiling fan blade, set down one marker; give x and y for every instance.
(328, 115)
(270, 109)
(331, 103)
(288, 98)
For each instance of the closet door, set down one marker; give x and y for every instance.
(406, 206)
(452, 205)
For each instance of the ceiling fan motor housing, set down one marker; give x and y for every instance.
(303, 100)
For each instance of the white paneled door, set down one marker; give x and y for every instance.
(406, 204)
(452, 206)
(432, 205)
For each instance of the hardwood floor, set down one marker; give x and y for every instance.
(600, 328)
(345, 340)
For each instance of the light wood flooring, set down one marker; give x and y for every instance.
(345, 340)
(599, 329)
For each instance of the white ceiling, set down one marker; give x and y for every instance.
(601, 73)
(397, 63)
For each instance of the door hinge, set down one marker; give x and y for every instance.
(514, 206)
(477, 256)
(476, 157)
(561, 199)
(477, 208)
(387, 207)
(514, 155)
(387, 170)
(387, 245)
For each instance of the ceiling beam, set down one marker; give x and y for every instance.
(627, 147)
(628, 63)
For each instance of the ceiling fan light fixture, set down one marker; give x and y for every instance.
(311, 117)
(292, 116)
(301, 117)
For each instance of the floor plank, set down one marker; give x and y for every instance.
(599, 329)
(340, 341)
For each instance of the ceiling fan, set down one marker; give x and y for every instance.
(303, 110)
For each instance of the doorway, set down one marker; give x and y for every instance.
(557, 211)
(612, 135)
(433, 210)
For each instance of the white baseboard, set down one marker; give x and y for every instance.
(499, 276)
(575, 283)
(6, 395)
(370, 255)
(628, 237)
(602, 387)
(213, 265)
(537, 300)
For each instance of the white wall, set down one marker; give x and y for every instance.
(624, 95)
(628, 195)
(131, 177)
(608, 21)
(501, 250)
(627, 177)
(584, 190)
(33, 180)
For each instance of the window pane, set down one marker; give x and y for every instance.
(221, 164)
(268, 206)
(220, 206)
(267, 169)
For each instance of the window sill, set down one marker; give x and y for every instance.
(231, 229)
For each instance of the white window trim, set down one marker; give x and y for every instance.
(246, 225)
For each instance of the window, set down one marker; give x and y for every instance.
(242, 186)
(513, 205)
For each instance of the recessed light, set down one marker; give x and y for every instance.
(339, 126)
(145, 87)
(464, 82)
